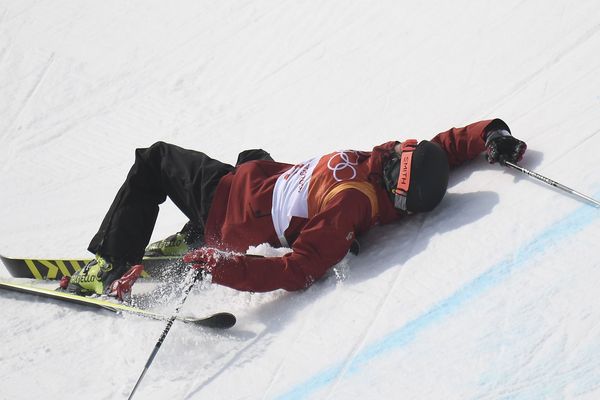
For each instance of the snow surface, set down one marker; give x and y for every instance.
(491, 296)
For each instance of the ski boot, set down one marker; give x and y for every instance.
(173, 246)
(101, 276)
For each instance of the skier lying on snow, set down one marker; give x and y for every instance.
(317, 207)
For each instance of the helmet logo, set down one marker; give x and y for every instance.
(404, 176)
(405, 162)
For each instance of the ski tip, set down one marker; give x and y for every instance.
(222, 320)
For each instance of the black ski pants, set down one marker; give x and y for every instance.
(189, 178)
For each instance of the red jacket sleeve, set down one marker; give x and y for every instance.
(323, 242)
(462, 144)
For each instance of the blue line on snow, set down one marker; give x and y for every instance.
(568, 226)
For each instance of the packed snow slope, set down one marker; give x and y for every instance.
(494, 295)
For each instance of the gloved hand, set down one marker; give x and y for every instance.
(501, 146)
(204, 258)
(121, 288)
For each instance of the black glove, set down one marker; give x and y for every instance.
(501, 146)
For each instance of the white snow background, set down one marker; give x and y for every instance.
(494, 295)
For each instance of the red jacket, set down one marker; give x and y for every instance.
(345, 198)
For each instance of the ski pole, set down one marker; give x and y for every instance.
(162, 337)
(552, 183)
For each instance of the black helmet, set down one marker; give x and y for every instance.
(423, 172)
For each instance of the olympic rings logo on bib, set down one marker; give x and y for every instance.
(344, 169)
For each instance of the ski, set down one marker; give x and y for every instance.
(221, 320)
(42, 269)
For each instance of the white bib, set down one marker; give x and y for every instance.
(290, 196)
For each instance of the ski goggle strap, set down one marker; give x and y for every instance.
(408, 146)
